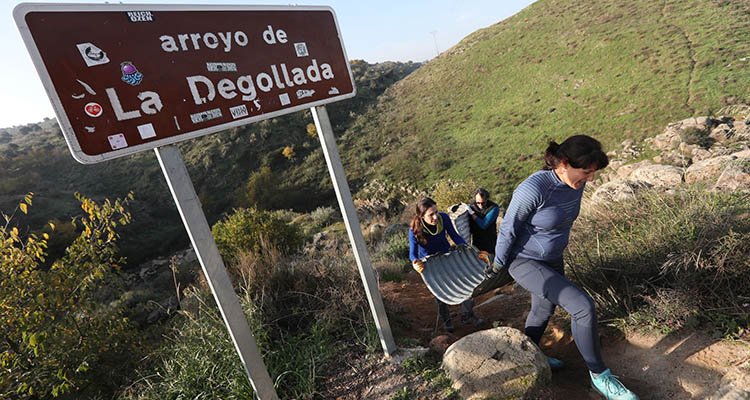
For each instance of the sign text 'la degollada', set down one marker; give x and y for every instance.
(147, 78)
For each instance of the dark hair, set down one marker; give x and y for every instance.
(580, 151)
(483, 193)
(423, 205)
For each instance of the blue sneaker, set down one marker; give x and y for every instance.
(555, 364)
(610, 387)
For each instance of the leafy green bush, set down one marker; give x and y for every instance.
(394, 247)
(314, 221)
(261, 189)
(673, 260)
(246, 227)
(57, 338)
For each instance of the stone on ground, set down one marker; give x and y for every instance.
(499, 363)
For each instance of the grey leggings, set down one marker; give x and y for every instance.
(549, 287)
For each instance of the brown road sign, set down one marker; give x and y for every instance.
(127, 78)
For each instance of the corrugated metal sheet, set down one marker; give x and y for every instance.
(459, 215)
(452, 277)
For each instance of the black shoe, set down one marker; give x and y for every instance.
(472, 320)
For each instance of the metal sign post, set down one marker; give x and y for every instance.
(349, 212)
(203, 242)
(125, 78)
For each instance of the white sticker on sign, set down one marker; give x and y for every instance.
(302, 93)
(301, 49)
(146, 131)
(205, 115)
(238, 111)
(92, 55)
(284, 98)
(221, 66)
(117, 141)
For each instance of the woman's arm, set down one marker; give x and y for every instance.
(413, 246)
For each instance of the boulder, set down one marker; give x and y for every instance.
(501, 363)
(685, 148)
(742, 130)
(736, 176)
(700, 154)
(658, 176)
(721, 133)
(624, 171)
(707, 170)
(614, 191)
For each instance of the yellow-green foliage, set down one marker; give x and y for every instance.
(246, 227)
(55, 336)
(449, 192)
(288, 152)
(312, 132)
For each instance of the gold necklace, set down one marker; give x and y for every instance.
(438, 227)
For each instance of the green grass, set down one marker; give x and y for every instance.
(428, 368)
(486, 108)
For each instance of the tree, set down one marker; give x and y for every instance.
(54, 334)
(262, 189)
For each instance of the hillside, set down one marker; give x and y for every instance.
(613, 69)
(34, 158)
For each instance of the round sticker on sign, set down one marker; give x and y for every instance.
(93, 109)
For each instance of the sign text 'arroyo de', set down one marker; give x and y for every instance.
(124, 80)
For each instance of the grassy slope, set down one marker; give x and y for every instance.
(613, 69)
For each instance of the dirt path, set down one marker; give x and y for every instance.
(682, 365)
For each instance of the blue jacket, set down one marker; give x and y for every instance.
(437, 243)
(539, 218)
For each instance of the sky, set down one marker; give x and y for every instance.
(374, 31)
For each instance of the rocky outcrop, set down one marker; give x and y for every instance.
(713, 152)
(658, 176)
(614, 191)
(706, 171)
(499, 363)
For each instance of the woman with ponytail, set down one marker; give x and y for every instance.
(428, 234)
(533, 235)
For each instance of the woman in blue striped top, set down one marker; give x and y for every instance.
(533, 236)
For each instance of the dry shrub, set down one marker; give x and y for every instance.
(321, 286)
(692, 247)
